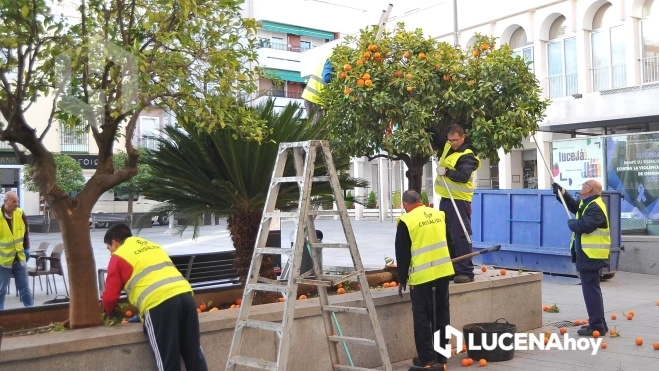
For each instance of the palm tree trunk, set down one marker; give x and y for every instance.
(243, 226)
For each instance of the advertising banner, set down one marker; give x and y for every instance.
(575, 161)
(633, 169)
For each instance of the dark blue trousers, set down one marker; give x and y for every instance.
(592, 295)
(459, 246)
(422, 313)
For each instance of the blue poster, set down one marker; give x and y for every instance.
(633, 169)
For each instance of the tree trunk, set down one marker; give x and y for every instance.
(129, 211)
(84, 310)
(414, 174)
(243, 226)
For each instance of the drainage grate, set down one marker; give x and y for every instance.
(562, 324)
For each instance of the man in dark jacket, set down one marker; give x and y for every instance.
(590, 247)
(457, 165)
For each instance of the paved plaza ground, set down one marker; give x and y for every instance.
(625, 292)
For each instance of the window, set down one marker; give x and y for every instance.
(305, 45)
(561, 61)
(74, 139)
(148, 131)
(650, 40)
(607, 50)
(519, 44)
(278, 43)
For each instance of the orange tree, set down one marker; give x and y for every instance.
(387, 96)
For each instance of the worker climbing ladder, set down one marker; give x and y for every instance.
(304, 155)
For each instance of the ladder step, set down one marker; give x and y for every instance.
(295, 179)
(324, 212)
(267, 287)
(274, 250)
(348, 339)
(313, 282)
(339, 309)
(280, 214)
(263, 325)
(351, 368)
(253, 363)
(330, 245)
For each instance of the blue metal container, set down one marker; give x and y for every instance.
(531, 227)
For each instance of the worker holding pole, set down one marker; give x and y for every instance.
(455, 185)
(424, 263)
(590, 248)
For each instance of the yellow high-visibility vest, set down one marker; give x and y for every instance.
(596, 245)
(155, 278)
(11, 240)
(430, 256)
(315, 85)
(460, 191)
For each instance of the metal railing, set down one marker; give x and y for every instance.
(73, 139)
(280, 94)
(5, 147)
(609, 77)
(650, 69)
(563, 85)
(149, 142)
(267, 44)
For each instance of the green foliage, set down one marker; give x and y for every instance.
(349, 200)
(424, 198)
(489, 92)
(68, 175)
(201, 172)
(396, 200)
(371, 202)
(136, 184)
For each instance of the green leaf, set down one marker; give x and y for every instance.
(25, 10)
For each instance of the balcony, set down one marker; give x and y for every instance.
(74, 140)
(562, 85)
(650, 70)
(148, 142)
(280, 94)
(267, 44)
(609, 77)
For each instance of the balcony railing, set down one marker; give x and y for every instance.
(650, 68)
(563, 85)
(609, 77)
(267, 44)
(74, 139)
(280, 94)
(149, 142)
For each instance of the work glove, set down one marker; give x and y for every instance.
(401, 288)
(27, 255)
(441, 170)
(557, 188)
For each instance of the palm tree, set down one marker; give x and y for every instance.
(200, 172)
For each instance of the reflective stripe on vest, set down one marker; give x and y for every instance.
(314, 86)
(155, 278)
(11, 241)
(596, 245)
(430, 256)
(459, 191)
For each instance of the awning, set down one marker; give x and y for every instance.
(294, 76)
(296, 30)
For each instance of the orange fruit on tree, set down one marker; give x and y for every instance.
(604, 345)
(366, 76)
(639, 341)
(398, 73)
(447, 77)
(303, 297)
(346, 91)
(482, 363)
(375, 47)
(629, 317)
(491, 46)
(347, 67)
(202, 307)
(360, 82)
(484, 46)
(503, 271)
(454, 80)
(239, 301)
(422, 55)
(545, 308)
(393, 284)
(655, 345)
(377, 55)
(343, 75)
(360, 62)
(407, 55)
(128, 313)
(613, 316)
(475, 53)
(409, 89)
(484, 268)
(367, 55)
(436, 65)
(387, 54)
(596, 334)
(385, 285)
(341, 291)
(563, 330)
(408, 76)
(368, 83)
(465, 362)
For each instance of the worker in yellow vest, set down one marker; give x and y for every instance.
(424, 263)
(311, 94)
(161, 294)
(457, 165)
(590, 248)
(14, 250)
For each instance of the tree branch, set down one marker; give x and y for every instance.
(395, 157)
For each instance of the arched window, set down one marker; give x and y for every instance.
(521, 47)
(562, 73)
(607, 50)
(650, 37)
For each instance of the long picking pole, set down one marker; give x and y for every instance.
(560, 195)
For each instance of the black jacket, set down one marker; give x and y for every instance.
(404, 251)
(465, 166)
(588, 222)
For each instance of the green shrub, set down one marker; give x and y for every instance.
(372, 202)
(349, 202)
(424, 197)
(395, 203)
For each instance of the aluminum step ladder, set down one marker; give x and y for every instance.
(304, 154)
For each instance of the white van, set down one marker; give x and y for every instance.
(113, 203)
